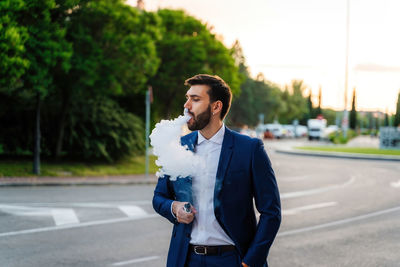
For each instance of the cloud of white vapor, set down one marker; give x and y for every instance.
(173, 158)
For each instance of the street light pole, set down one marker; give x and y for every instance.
(345, 119)
(148, 102)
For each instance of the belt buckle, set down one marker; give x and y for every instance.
(200, 253)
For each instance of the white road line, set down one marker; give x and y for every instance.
(71, 226)
(339, 222)
(308, 207)
(135, 260)
(295, 178)
(395, 184)
(85, 204)
(64, 216)
(316, 190)
(132, 211)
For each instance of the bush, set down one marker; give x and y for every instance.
(338, 138)
(17, 118)
(101, 129)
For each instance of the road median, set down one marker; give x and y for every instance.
(336, 154)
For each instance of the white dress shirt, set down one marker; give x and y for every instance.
(206, 229)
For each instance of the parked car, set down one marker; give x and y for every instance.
(316, 128)
(276, 129)
(248, 132)
(288, 131)
(330, 129)
(268, 134)
(301, 131)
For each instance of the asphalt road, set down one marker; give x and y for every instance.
(336, 212)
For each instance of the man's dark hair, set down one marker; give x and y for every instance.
(219, 90)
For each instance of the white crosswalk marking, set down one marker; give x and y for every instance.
(60, 216)
(135, 261)
(64, 216)
(309, 207)
(316, 190)
(133, 211)
(24, 211)
(395, 184)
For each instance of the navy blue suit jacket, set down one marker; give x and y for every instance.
(244, 172)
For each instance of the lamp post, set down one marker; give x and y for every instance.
(345, 119)
(149, 100)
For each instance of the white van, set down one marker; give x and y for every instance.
(316, 128)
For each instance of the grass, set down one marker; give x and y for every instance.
(134, 165)
(360, 150)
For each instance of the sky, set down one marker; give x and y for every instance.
(306, 40)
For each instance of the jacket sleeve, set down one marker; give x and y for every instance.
(267, 202)
(163, 198)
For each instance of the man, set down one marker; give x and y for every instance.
(222, 229)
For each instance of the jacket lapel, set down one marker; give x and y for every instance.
(190, 141)
(224, 159)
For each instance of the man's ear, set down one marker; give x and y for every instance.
(217, 107)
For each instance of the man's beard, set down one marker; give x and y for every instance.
(200, 121)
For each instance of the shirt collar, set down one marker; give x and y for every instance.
(217, 138)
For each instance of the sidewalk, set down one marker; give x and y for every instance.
(364, 141)
(90, 180)
(343, 155)
(360, 141)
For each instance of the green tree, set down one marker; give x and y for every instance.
(13, 36)
(240, 59)
(42, 42)
(310, 110)
(13, 65)
(397, 116)
(319, 110)
(329, 115)
(114, 55)
(386, 120)
(187, 47)
(257, 96)
(371, 121)
(104, 130)
(353, 112)
(294, 104)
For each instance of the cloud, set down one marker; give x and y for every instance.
(376, 67)
(286, 66)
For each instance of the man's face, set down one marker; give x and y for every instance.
(199, 107)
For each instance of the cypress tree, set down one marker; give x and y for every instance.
(386, 122)
(310, 107)
(319, 110)
(397, 116)
(353, 112)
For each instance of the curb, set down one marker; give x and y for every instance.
(339, 155)
(77, 181)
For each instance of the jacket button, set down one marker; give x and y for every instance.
(188, 235)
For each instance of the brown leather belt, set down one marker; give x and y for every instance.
(210, 250)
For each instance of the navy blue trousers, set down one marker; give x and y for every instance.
(226, 259)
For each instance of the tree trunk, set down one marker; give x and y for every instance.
(61, 128)
(36, 149)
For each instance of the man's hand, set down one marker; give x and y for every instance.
(244, 264)
(181, 215)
